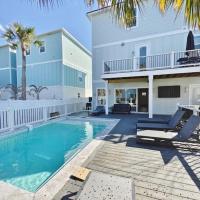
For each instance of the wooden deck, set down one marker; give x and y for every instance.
(162, 173)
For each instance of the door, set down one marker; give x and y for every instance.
(141, 54)
(143, 100)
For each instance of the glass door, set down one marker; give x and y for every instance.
(141, 54)
(127, 96)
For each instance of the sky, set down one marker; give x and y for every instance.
(71, 15)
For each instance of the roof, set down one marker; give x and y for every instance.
(67, 34)
(100, 10)
(4, 45)
(70, 36)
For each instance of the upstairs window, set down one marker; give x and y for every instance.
(197, 42)
(28, 52)
(42, 48)
(132, 21)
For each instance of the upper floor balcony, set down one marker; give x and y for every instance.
(168, 63)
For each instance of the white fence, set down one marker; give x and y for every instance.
(153, 62)
(14, 114)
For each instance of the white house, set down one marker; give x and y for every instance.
(146, 64)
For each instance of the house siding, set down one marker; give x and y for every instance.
(46, 74)
(81, 61)
(161, 34)
(150, 22)
(7, 66)
(72, 77)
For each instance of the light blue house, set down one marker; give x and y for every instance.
(62, 64)
(7, 66)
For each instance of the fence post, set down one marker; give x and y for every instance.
(172, 59)
(134, 63)
(45, 113)
(65, 109)
(11, 118)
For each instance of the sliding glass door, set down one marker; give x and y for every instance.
(127, 96)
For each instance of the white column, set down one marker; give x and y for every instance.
(172, 59)
(150, 96)
(106, 88)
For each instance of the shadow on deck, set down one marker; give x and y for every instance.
(158, 172)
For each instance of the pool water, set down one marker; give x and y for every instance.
(28, 159)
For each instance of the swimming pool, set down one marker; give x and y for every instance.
(30, 158)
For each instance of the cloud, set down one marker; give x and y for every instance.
(2, 28)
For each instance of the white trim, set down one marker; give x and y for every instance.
(98, 81)
(39, 63)
(175, 70)
(100, 88)
(69, 64)
(141, 38)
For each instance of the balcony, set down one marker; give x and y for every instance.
(154, 64)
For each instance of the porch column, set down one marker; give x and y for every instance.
(106, 88)
(150, 96)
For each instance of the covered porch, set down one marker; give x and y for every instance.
(153, 93)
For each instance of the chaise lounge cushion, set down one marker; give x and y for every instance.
(171, 125)
(121, 108)
(155, 134)
(184, 134)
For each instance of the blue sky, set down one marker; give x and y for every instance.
(71, 15)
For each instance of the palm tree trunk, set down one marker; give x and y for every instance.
(23, 74)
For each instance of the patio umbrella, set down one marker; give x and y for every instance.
(190, 42)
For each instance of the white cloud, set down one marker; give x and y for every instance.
(2, 28)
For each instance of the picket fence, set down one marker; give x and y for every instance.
(14, 114)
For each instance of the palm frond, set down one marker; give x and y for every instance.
(47, 3)
(38, 43)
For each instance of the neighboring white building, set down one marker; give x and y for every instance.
(139, 65)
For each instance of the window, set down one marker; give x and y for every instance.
(197, 42)
(131, 22)
(101, 97)
(169, 91)
(126, 96)
(42, 48)
(143, 54)
(28, 52)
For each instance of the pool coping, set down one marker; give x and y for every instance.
(57, 181)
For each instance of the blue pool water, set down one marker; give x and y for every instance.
(28, 159)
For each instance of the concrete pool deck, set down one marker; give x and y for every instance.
(161, 173)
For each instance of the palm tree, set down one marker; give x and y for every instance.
(15, 91)
(37, 90)
(123, 9)
(22, 37)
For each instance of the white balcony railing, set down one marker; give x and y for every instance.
(154, 62)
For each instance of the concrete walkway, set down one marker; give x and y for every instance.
(162, 173)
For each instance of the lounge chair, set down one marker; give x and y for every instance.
(162, 121)
(99, 110)
(183, 135)
(170, 125)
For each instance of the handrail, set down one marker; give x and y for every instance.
(153, 62)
